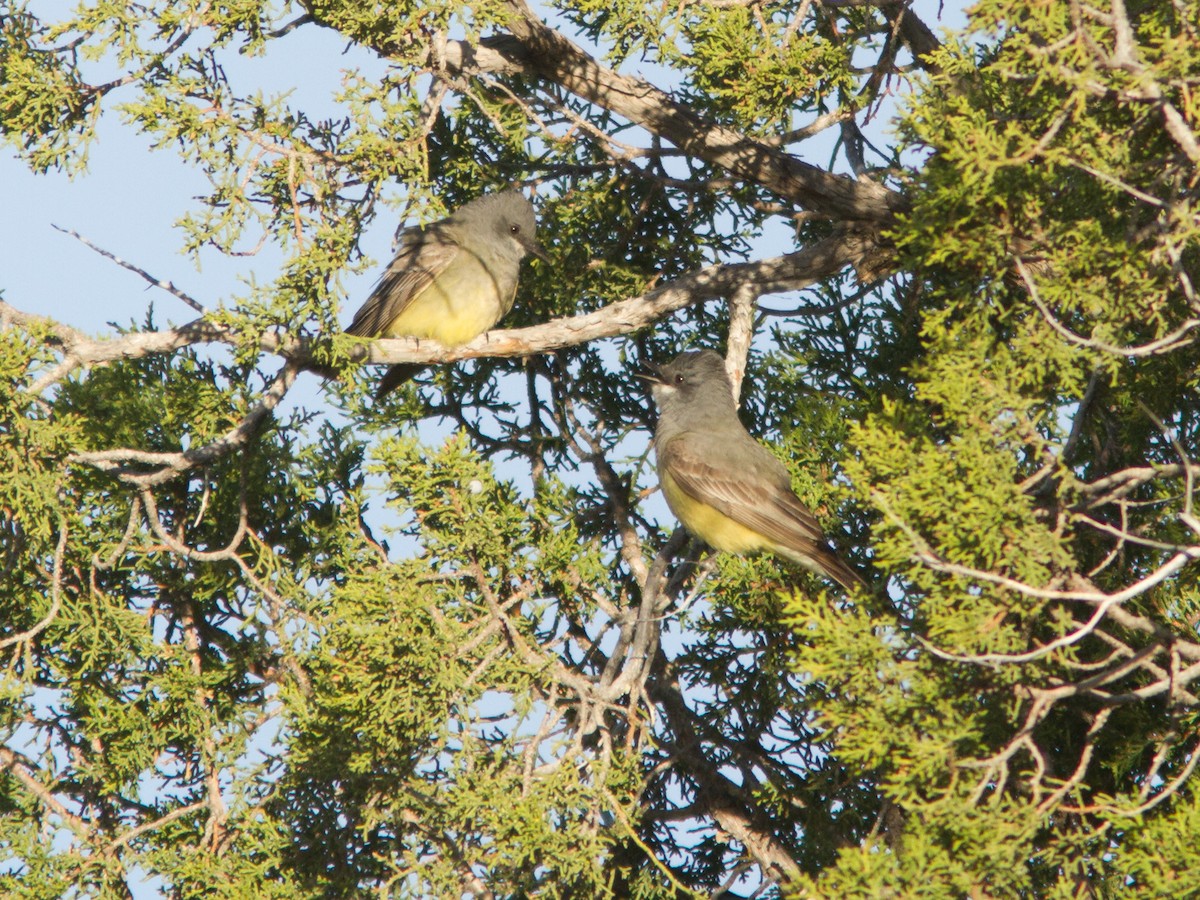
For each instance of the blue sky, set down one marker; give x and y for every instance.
(130, 197)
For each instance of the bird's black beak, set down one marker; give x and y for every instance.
(651, 373)
(534, 248)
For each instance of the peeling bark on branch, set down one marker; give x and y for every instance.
(782, 273)
(535, 49)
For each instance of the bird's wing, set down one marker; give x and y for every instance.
(752, 487)
(423, 255)
(749, 486)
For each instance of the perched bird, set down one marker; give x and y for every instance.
(452, 281)
(723, 486)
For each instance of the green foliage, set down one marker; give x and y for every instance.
(754, 69)
(398, 713)
(1046, 252)
(439, 649)
(43, 103)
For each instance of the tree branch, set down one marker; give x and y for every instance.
(156, 282)
(782, 273)
(168, 465)
(536, 49)
(776, 274)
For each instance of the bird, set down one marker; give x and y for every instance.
(452, 281)
(725, 487)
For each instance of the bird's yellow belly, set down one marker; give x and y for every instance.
(714, 528)
(461, 304)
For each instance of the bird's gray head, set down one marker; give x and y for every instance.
(503, 222)
(693, 377)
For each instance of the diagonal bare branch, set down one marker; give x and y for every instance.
(156, 282)
(536, 49)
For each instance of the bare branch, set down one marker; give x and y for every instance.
(1123, 535)
(138, 830)
(925, 554)
(156, 282)
(741, 333)
(778, 274)
(55, 594)
(1173, 341)
(1125, 57)
(24, 773)
(538, 50)
(80, 350)
(815, 127)
(63, 334)
(169, 465)
(851, 247)
(1168, 790)
(1120, 484)
(1066, 640)
(303, 19)
(715, 794)
(1119, 184)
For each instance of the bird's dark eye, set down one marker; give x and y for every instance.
(514, 229)
(679, 379)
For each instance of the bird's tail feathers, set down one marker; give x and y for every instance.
(395, 376)
(823, 561)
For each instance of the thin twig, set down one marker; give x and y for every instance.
(55, 594)
(156, 282)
